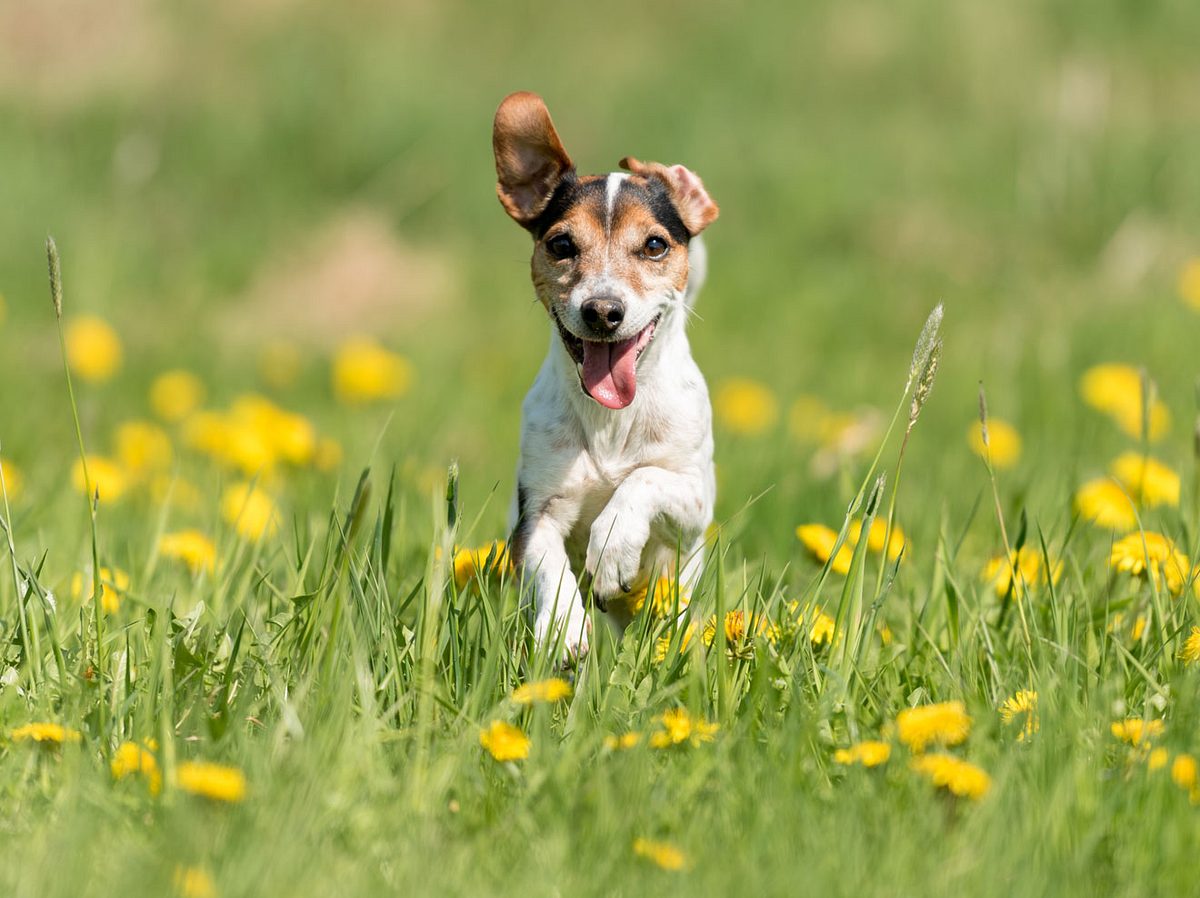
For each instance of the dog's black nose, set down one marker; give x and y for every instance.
(603, 316)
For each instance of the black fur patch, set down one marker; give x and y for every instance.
(570, 190)
(520, 532)
(658, 201)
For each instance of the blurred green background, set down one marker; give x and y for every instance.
(224, 174)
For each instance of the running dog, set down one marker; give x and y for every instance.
(615, 481)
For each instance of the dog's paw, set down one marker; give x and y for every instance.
(614, 554)
(567, 634)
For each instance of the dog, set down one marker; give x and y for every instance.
(615, 483)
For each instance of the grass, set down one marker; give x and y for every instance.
(1030, 166)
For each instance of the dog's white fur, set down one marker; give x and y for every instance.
(616, 495)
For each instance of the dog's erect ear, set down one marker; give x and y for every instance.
(695, 206)
(530, 159)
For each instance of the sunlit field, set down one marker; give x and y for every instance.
(258, 630)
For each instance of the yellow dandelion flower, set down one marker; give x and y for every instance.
(13, 481)
(745, 406)
(131, 758)
(45, 733)
(232, 442)
(113, 584)
(482, 561)
(279, 364)
(1103, 502)
(1139, 552)
(1189, 283)
(1190, 653)
(1139, 627)
(662, 647)
(1147, 479)
(1030, 570)
(1116, 390)
(1021, 703)
(876, 537)
(1184, 773)
(953, 774)
(1003, 440)
(176, 394)
(1022, 707)
(93, 348)
(623, 742)
(1135, 730)
(363, 371)
(1157, 759)
(552, 690)
(663, 644)
(143, 447)
(869, 754)
(662, 595)
(505, 742)
(820, 540)
(106, 478)
(662, 854)
(289, 436)
(194, 882)
(735, 628)
(822, 626)
(191, 547)
(822, 629)
(207, 432)
(678, 726)
(738, 629)
(945, 723)
(215, 781)
(251, 512)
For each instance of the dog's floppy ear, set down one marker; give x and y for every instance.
(530, 159)
(692, 202)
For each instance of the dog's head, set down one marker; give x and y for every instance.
(610, 253)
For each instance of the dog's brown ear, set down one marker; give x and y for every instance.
(530, 159)
(695, 206)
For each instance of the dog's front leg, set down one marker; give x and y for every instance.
(681, 503)
(560, 622)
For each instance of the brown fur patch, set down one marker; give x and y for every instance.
(695, 206)
(530, 159)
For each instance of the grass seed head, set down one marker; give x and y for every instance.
(55, 270)
(925, 345)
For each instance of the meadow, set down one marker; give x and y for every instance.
(259, 425)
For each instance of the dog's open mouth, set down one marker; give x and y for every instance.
(608, 370)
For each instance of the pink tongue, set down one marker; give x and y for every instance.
(609, 371)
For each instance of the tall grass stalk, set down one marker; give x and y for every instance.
(1018, 588)
(91, 494)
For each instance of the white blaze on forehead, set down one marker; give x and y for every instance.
(611, 186)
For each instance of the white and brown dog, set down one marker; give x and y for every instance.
(615, 481)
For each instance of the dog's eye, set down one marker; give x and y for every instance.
(561, 246)
(655, 248)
